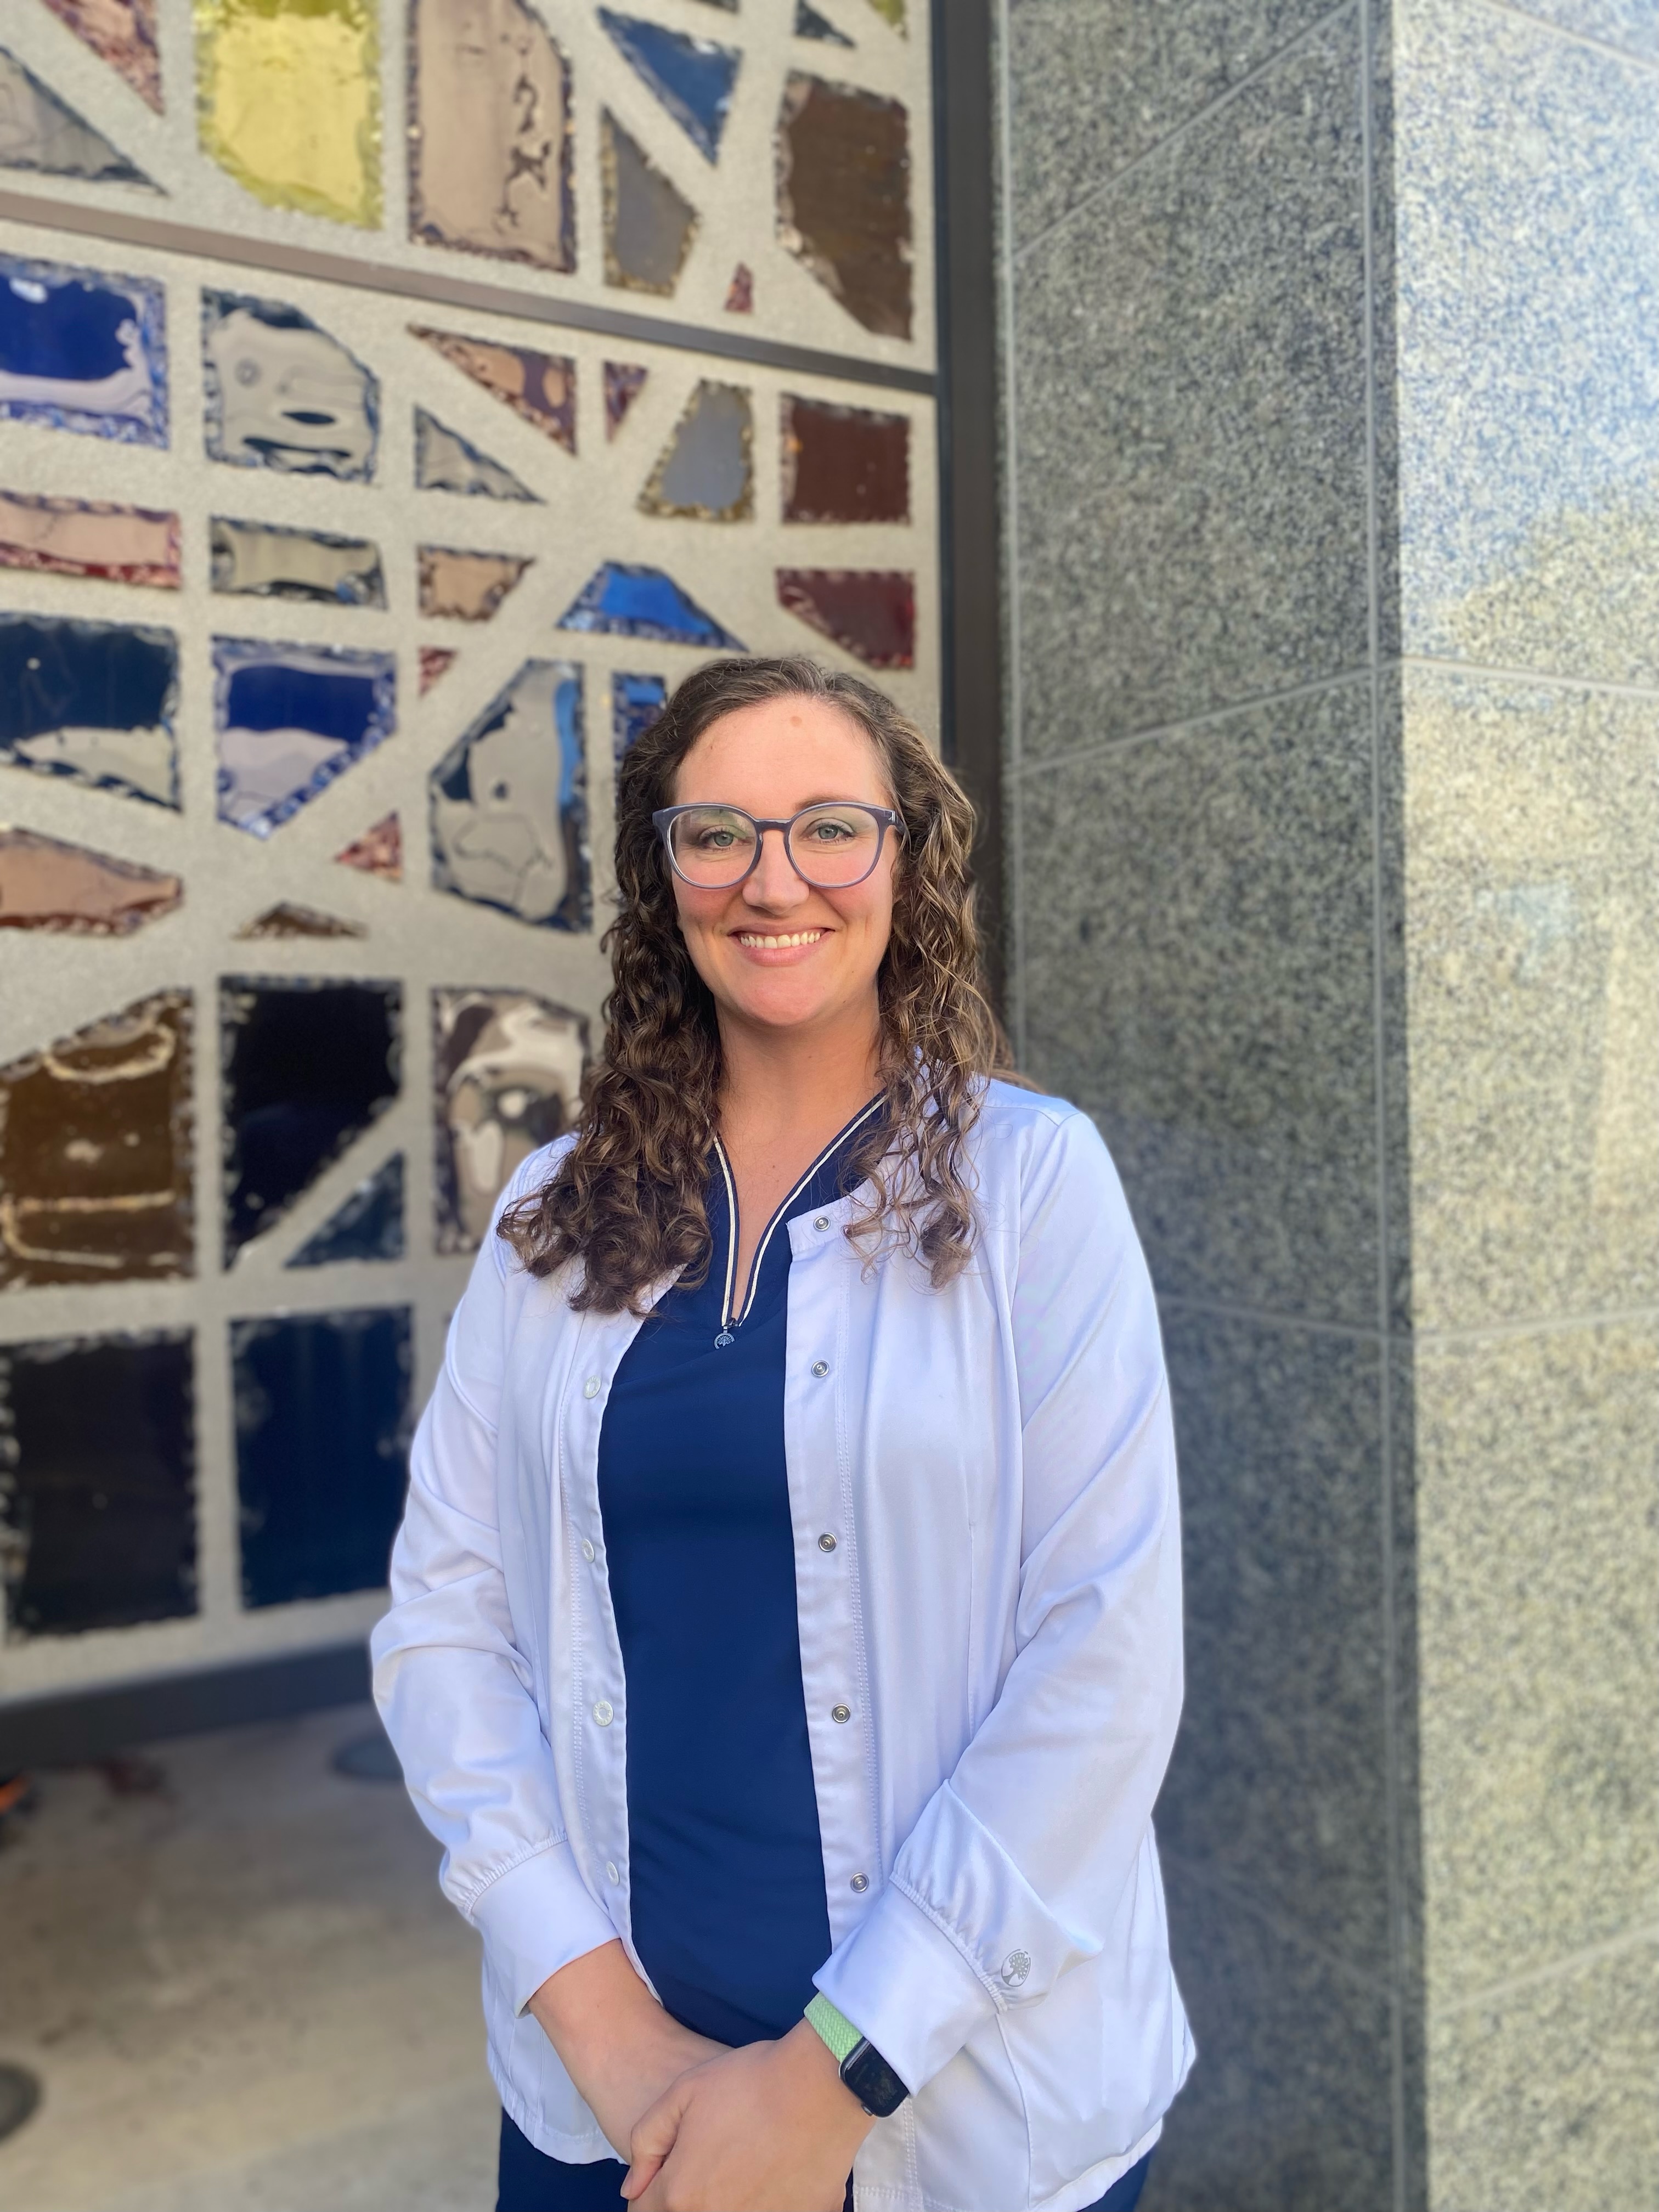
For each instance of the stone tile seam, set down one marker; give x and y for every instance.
(1220, 1883)
(1098, 190)
(1557, 1970)
(1208, 720)
(1447, 664)
(1499, 1331)
(1645, 62)
(1270, 1317)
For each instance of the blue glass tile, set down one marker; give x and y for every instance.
(808, 24)
(291, 717)
(280, 394)
(306, 1066)
(692, 77)
(509, 805)
(322, 1440)
(635, 703)
(94, 701)
(84, 351)
(368, 1226)
(625, 601)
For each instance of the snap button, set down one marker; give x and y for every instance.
(822, 1222)
(820, 1368)
(588, 1549)
(1015, 1968)
(826, 1542)
(603, 1714)
(591, 1388)
(610, 1874)
(859, 1883)
(841, 1712)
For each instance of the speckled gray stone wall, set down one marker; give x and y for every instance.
(1332, 497)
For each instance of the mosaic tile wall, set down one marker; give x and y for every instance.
(337, 572)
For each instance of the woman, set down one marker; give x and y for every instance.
(784, 1643)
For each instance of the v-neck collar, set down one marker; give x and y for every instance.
(733, 1317)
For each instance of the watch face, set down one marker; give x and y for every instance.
(873, 2080)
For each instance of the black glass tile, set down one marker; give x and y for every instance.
(368, 1226)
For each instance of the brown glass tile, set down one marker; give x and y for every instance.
(649, 223)
(870, 612)
(740, 292)
(466, 586)
(380, 850)
(288, 919)
(843, 181)
(123, 33)
(624, 383)
(489, 143)
(95, 1152)
(436, 660)
(844, 464)
(69, 888)
(539, 387)
(507, 1078)
(89, 537)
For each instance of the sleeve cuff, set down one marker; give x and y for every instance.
(909, 1987)
(537, 1917)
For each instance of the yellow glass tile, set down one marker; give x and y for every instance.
(290, 93)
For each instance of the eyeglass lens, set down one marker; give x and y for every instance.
(832, 846)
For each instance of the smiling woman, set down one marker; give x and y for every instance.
(786, 1628)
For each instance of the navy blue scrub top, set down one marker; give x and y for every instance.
(730, 1917)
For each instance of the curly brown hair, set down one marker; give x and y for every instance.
(627, 1200)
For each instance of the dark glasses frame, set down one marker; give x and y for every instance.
(664, 819)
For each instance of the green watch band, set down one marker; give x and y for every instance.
(833, 2029)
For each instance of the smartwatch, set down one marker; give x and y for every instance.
(863, 2069)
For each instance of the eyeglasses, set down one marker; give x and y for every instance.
(831, 846)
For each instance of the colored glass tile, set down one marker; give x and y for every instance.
(843, 181)
(539, 387)
(509, 816)
(704, 470)
(288, 919)
(267, 562)
(92, 701)
(624, 383)
(121, 33)
(466, 586)
(89, 537)
(870, 612)
(40, 132)
(307, 1066)
(740, 292)
(507, 1072)
(97, 1497)
(808, 24)
(288, 102)
(844, 464)
(368, 1226)
(379, 851)
(82, 349)
(692, 77)
(892, 12)
(291, 717)
(282, 393)
(96, 1152)
(635, 703)
(622, 600)
(322, 1438)
(649, 223)
(489, 136)
(436, 660)
(445, 461)
(72, 890)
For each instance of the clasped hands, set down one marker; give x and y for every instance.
(768, 2128)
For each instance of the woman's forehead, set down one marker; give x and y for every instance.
(782, 754)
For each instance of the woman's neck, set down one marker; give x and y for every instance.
(785, 1090)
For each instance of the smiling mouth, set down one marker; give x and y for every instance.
(758, 943)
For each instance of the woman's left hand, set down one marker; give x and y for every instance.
(771, 2128)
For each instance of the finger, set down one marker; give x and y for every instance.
(640, 2176)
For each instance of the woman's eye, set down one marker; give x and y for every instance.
(829, 833)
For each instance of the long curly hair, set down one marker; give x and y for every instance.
(627, 1200)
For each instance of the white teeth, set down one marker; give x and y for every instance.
(801, 936)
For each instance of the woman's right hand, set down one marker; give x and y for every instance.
(617, 2044)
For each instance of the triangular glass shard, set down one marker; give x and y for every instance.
(626, 601)
(740, 292)
(436, 661)
(41, 132)
(869, 612)
(892, 13)
(704, 471)
(649, 223)
(445, 461)
(288, 919)
(74, 891)
(808, 24)
(121, 33)
(624, 383)
(368, 1226)
(692, 77)
(290, 719)
(539, 387)
(463, 586)
(379, 851)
